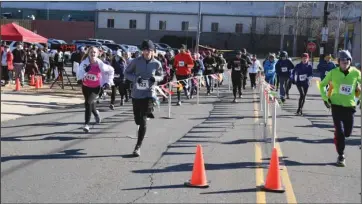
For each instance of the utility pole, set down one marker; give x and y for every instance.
(324, 31)
(336, 33)
(198, 30)
(296, 33)
(283, 26)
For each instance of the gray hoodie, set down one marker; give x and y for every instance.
(140, 68)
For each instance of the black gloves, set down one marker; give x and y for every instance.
(152, 79)
(106, 86)
(139, 80)
(327, 104)
(87, 68)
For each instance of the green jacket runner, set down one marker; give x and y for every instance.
(344, 86)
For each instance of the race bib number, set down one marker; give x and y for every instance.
(209, 68)
(284, 69)
(326, 73)
(302, 77)
(181, 63)
(345, 89)
(117, 75)
(143, 85)
(237, 68)
(91, 77)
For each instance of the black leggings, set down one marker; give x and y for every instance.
(90, 94)
(237, 80)
(343, 125)
(185, 86)
(252, 79)
(302, 94)
(121, 89)
(141, 109)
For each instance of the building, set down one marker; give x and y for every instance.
(226, 25)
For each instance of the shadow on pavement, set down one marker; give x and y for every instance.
(295, 163)
(156, 187)
(209, 167)
(348, 141)
(247, 190)
(242, 141)
(66, 154)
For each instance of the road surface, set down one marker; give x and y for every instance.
(47, 157)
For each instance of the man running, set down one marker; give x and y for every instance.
(345, 80)
(283, 69)
(237, 66)
(183, 64)
(144, 72)
(210, 66)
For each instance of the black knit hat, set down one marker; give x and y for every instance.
(148, 45)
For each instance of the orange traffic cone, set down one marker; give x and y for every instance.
(17, 84)
(273, 182)
(198, 179)
(41, 81)
(32, 80)
(37, 84)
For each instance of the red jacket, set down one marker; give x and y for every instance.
(183, 64)
(9, 59)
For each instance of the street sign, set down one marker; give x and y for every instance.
(311, 47)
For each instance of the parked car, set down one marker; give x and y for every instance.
(162, 47)
(103, 41)
(80, 43)
(115, 47)
(131, 48)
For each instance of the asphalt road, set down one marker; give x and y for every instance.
(48, 158)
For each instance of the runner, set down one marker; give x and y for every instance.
(246, 57)
(254, 70)
(325, 66)
(197, 72)
(301, 76)
(183, 64)
(210, 65)
(345, 79)
(237, 65)
(94, 74)
(269, 69)
(143, 72)
(283, 69)
(119, 65)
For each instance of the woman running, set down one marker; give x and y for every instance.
(119, 64)
(301, 76)
(94, 74)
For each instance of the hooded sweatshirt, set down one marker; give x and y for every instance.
(269, 68)
(302, 74)
(324, 67)
(283, 68)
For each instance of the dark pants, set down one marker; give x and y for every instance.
(121, 89)
(343, 126)
(283, 82)
(276, 82)
(90, 94)
(5, 73)
(252, 79)
(245, 77)
(141, 109)
(185, 86)
(237, 81)
(129, 88)
(289, 86)
(302, 94)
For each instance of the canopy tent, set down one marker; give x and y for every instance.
(14, 32)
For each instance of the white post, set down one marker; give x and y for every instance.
(169, 100)
(266, 110)
(274, 122)
(261, 88)
(218, 84)
(198, 89)
(229, 80)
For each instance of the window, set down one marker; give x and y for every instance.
(238, 28)
(110, 23)
(162, 25)
(185, 26)
(290, 31)
(132, 24)
(214, 27)
(267, 29)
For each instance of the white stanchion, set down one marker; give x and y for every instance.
(217, 88)
(198, 89)
(261, 90)
(169, 100)
(229, 81)
(274, 121)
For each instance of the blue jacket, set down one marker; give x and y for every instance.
(269, 68)
(324, 67)
(283, 68)
(302, 74)
(119, 68)
(199, 68)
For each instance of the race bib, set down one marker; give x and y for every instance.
(117, 75)
(326, 73)
(209, 68)
(181, 63)
(302, 77)
(91, 77)
(143, 85)
(284, 69)
(345, 89)
(271, 71)
(237, 68)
